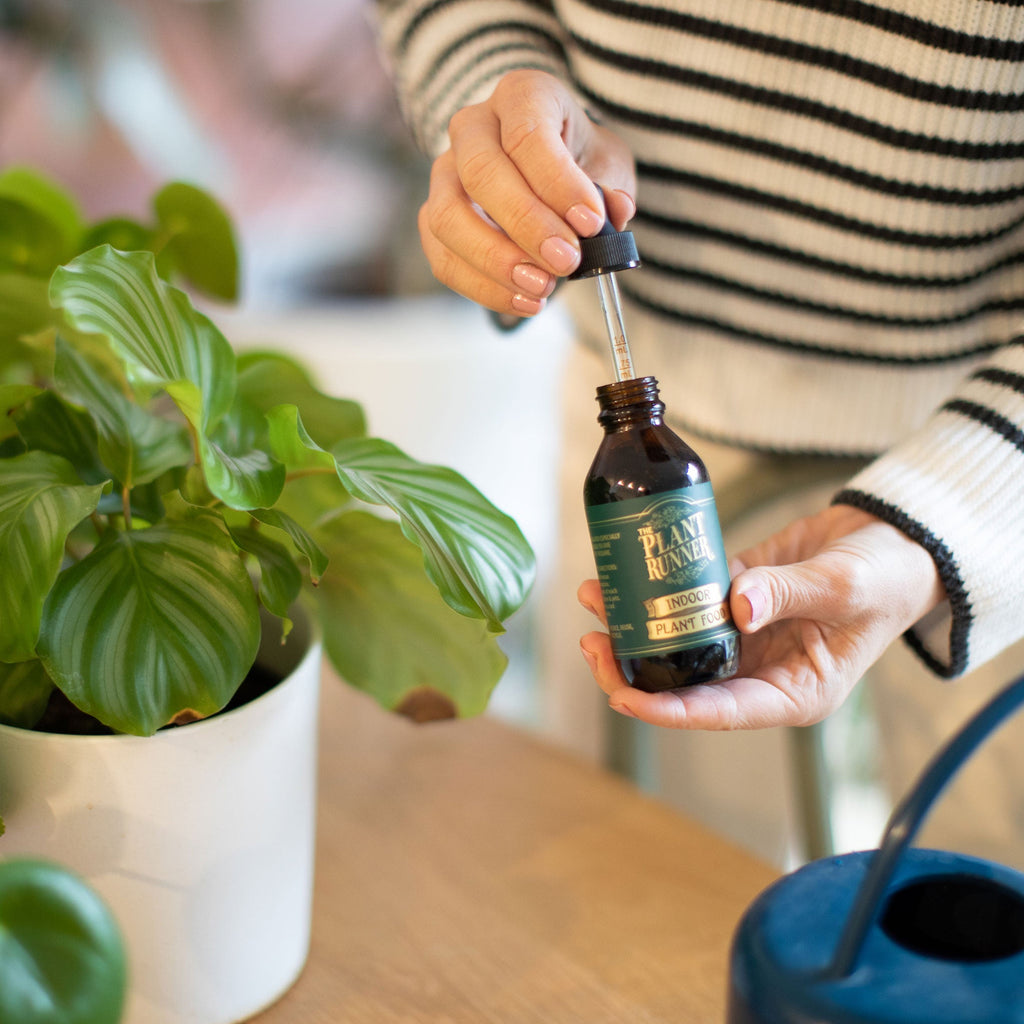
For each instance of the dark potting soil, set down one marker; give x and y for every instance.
(61, 716)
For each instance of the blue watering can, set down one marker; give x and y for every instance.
(893, 935)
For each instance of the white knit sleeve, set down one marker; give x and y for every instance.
(446, 54)
(956, 486)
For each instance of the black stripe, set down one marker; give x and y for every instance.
(735, 287)
(818, 214)
(782, 343)
(549, 46)
(856, 176)
(920, 31)
(1006, 379)
(687, 229)
(989, 418)
(548, 41)
(949, 573)
(913, 141)
(791, 50)
(438, 6)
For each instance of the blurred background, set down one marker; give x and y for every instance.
(284, 111)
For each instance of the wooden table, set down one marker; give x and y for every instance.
(468, 873)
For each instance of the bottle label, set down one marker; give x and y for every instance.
(661, 563)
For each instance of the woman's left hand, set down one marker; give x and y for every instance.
(817, 603)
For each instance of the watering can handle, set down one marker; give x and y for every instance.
(906, 820)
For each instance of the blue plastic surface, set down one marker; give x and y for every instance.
(783, 950)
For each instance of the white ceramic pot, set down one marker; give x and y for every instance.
(200, 839)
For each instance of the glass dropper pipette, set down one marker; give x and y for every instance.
(602, 256)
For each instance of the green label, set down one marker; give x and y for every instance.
(663, 573)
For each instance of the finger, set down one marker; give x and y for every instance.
(589, 595)
(491, 179)
(559, 152)
(472, 256)
(597, 652)
(620, 206)
(739, 703)
(821, 590)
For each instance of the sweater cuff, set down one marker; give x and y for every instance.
(940, 638)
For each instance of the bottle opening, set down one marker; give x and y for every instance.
(622, 393)
(952, 917)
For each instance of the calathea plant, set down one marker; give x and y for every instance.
(156, 490)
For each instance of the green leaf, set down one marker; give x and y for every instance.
(201, 239)
(476, 555)
(236, 460)
(153, 327)
(41, 502)
(12, 398)
(291, 443)
(46, 423)
(269, 379)
(134, 444)
(299, 536)
(166, 342)
(62, 958)
(30, 243)
(280, 579)
(47, 199)
(386, 629)
(24, 310)
(120, 233)
(151, 623)
(25, 689)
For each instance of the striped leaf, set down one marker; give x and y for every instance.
(41, 502)
(279, 576)
(298, 535)
(386, 628)
(151, 326)
(135, 445)
(166, 343)
(151, 623)
(475, 554)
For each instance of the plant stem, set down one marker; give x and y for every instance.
(127, 505)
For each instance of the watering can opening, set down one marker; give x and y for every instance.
(956, 917)
(893, 935)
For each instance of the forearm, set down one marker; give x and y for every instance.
(956, 486)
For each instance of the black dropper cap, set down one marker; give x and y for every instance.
(606, 252)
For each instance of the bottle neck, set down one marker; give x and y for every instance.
(629, 403)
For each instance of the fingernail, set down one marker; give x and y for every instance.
(589, 658)
(527, 305)
(622, 710)
(757, 603)
(531, 279)
(559, 254)
(632, 203)
(583, 220)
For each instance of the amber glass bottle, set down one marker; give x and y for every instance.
(658, 546)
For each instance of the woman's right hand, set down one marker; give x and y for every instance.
(515, 190)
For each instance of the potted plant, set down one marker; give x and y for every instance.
(166, 507)
(61, 953)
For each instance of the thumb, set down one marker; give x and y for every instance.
(772, 593)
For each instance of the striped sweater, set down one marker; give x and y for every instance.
(831, 219)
